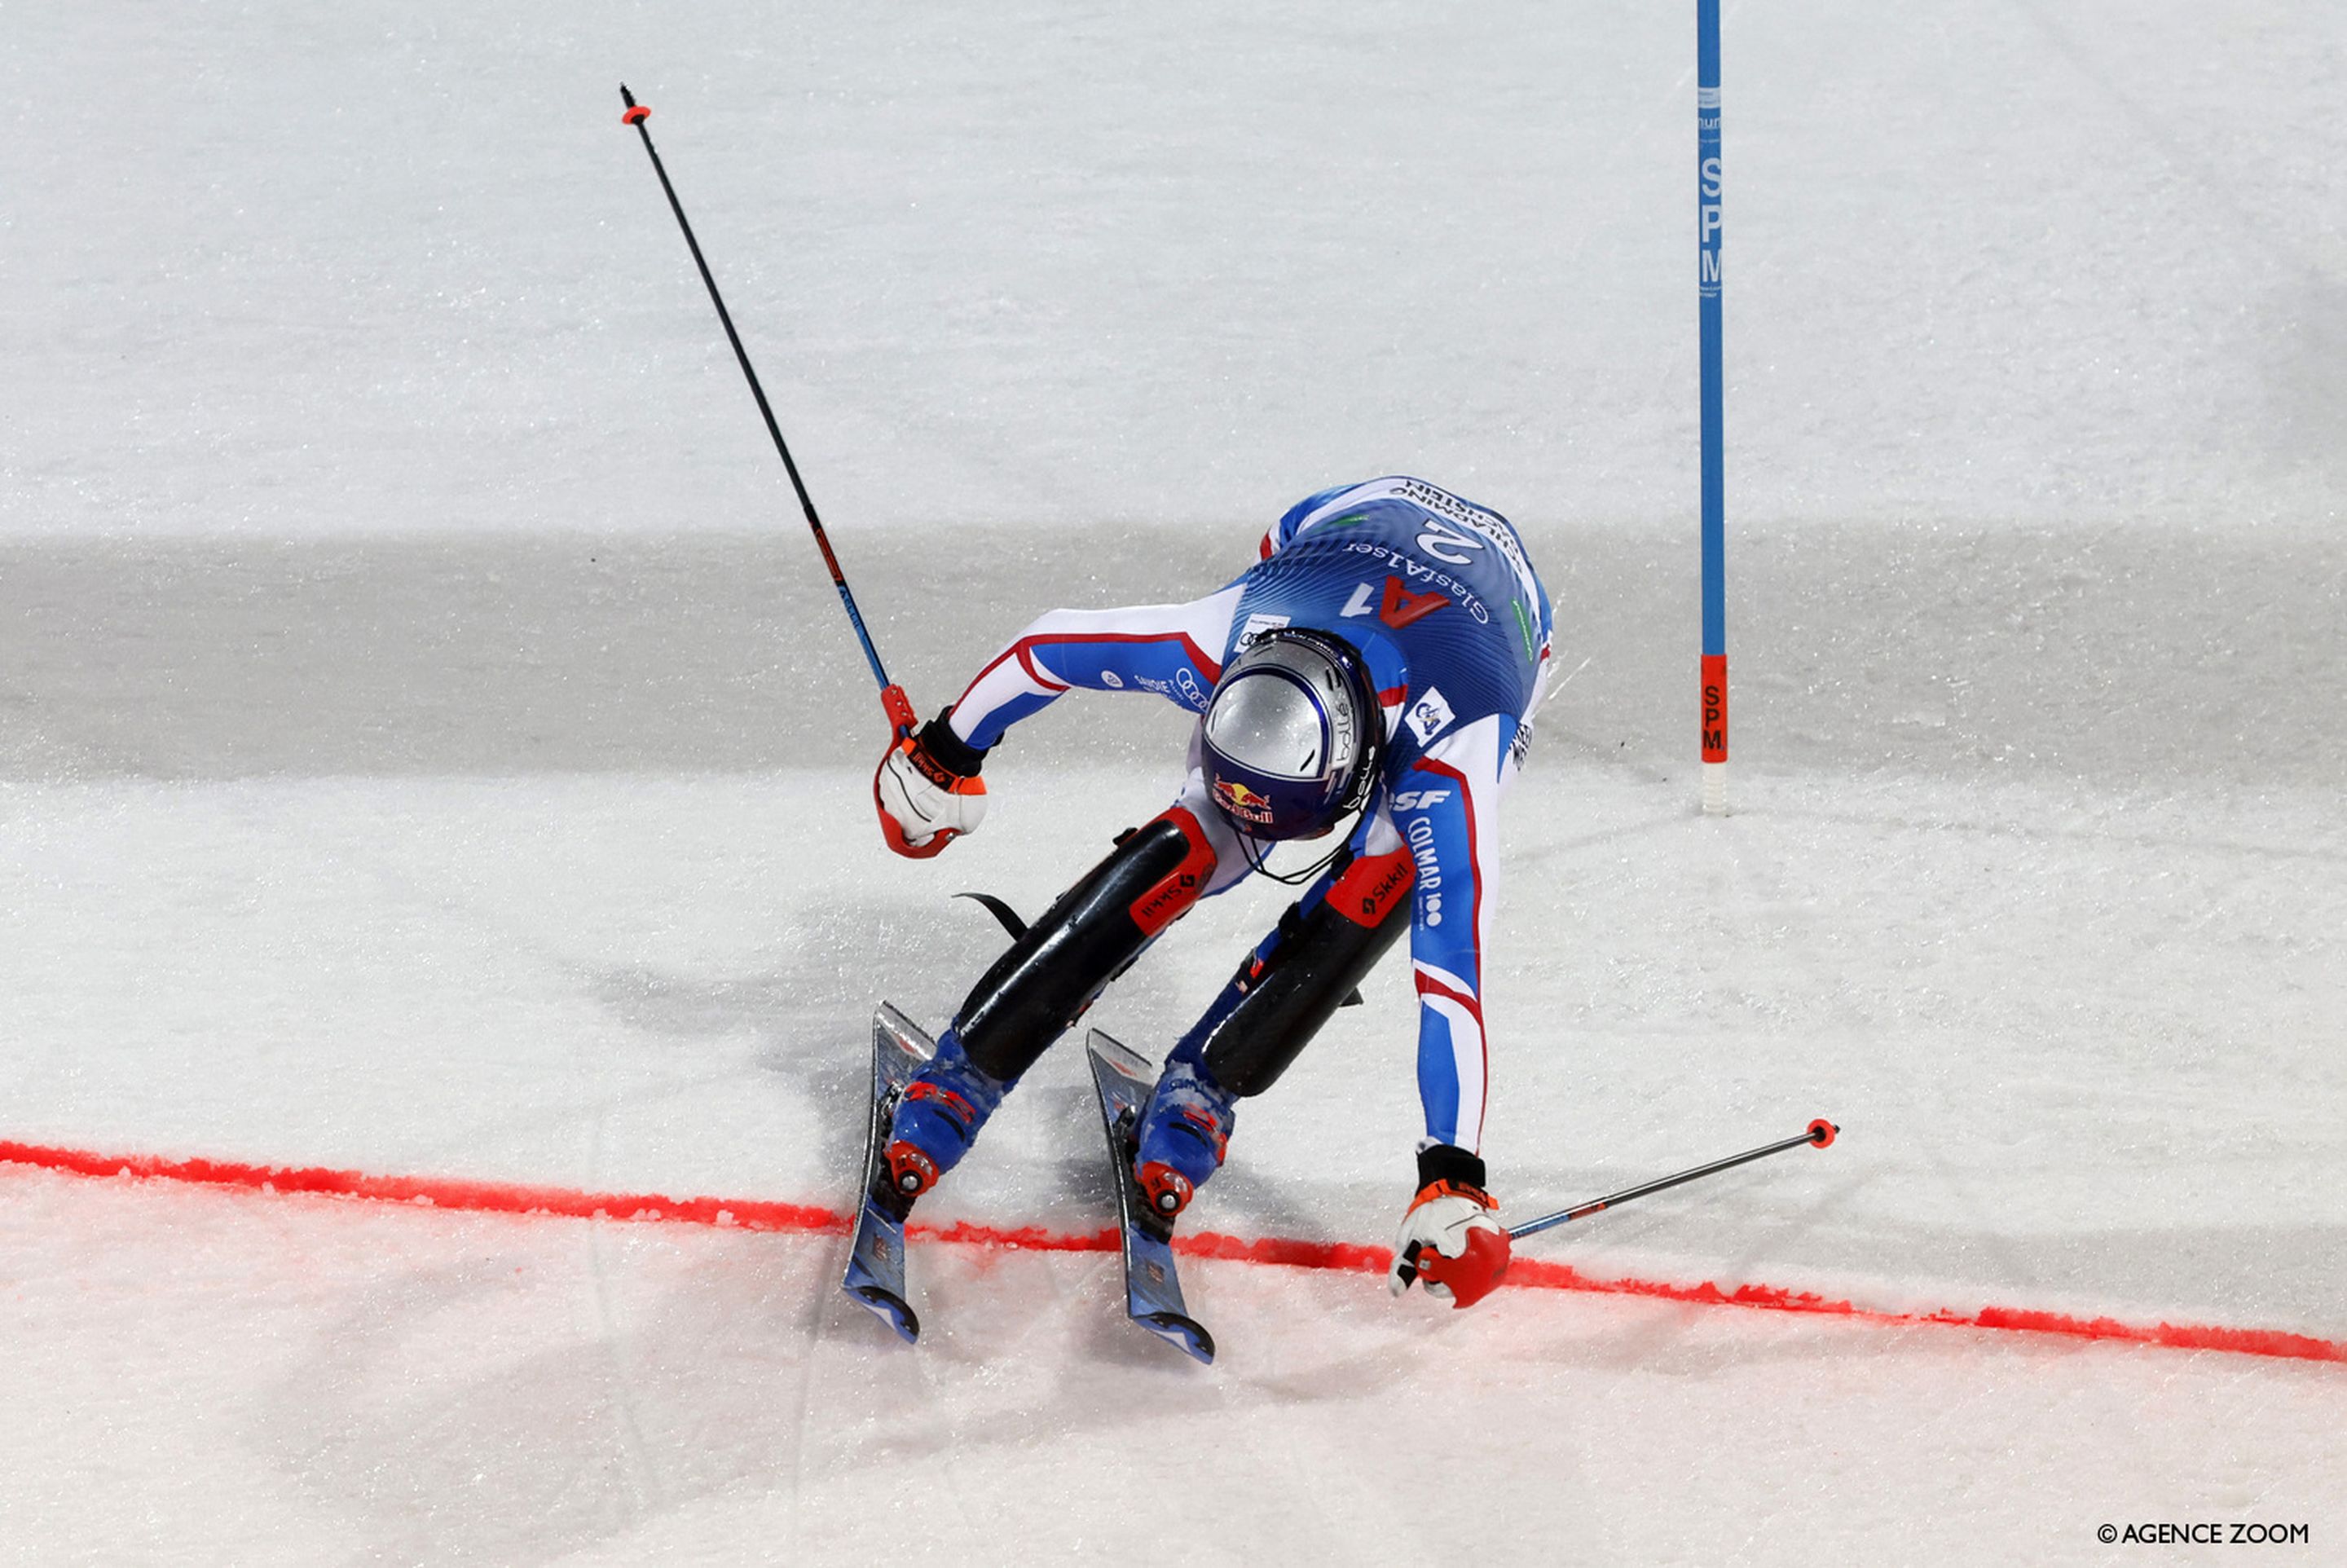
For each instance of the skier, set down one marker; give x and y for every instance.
(1383, 657)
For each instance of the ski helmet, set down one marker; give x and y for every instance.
(1291, 735)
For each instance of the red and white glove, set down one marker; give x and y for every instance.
(1449, 1241)
(928, 790)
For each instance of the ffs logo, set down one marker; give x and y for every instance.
(1428, 716)
(1419, 799)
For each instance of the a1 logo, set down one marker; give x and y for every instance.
(1396, 606)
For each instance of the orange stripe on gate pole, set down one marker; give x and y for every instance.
(1715, 707)
(1715, 733)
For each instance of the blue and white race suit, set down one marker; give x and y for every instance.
(1440, 597)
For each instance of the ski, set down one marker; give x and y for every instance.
(1153, 1290)
(875, 1263)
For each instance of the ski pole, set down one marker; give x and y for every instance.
(899, 707)
(1820, 1133)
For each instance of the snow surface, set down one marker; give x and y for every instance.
(428, 746)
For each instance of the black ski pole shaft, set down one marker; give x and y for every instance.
(892, 697)
(1820, 1133)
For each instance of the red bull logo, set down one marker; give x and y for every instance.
(1238, 801)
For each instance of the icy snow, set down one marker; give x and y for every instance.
(428, 745)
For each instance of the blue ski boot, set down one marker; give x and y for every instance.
(1184, 1132)
(937, 1120)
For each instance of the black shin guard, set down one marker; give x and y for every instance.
(1055, 969)
(1285, 996)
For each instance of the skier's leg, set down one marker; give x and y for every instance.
(1043, 984)
(1323, 947)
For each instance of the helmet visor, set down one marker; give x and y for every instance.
(1268, 723)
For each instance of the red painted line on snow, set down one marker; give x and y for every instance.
(434, 1192)
(761, 1215)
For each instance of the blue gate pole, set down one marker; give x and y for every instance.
(1715, 482)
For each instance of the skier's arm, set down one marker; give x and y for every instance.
(1443, 804)
(1174, 651)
